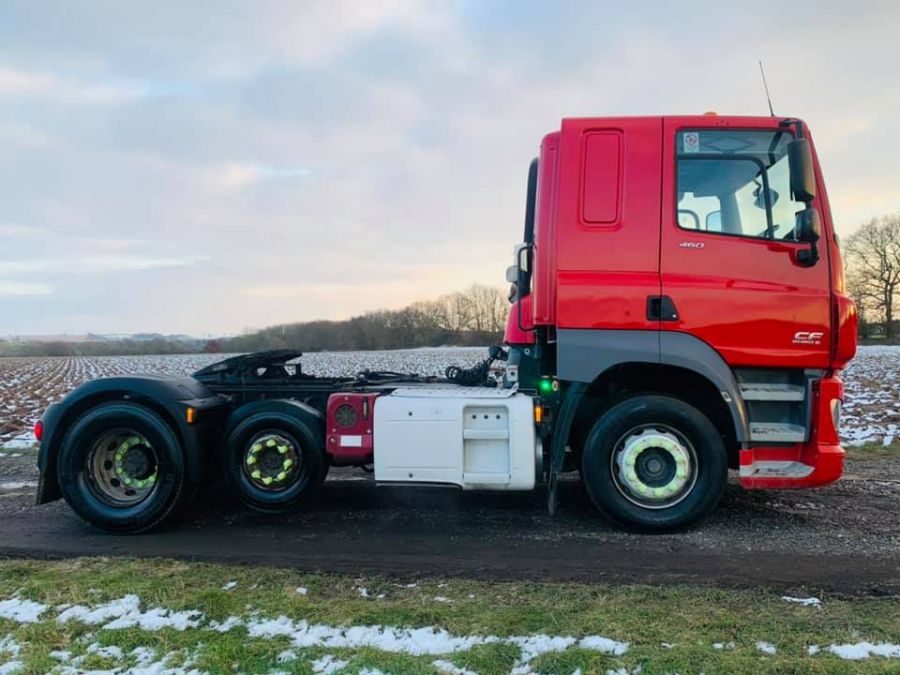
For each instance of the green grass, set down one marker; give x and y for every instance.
(689, 618)
(874, 451)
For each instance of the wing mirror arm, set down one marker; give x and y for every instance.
(523, 272)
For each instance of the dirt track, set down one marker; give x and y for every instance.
(841, 539)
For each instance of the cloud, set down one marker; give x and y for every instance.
(329, 157)
(21, 231)
(97, 264)
(22, 288)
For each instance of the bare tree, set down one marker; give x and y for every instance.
(874, 256)
(489, 308)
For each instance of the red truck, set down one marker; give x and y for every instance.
(678, 309)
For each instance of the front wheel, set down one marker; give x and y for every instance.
(654, 463)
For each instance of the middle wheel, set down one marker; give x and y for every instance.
(273, 461)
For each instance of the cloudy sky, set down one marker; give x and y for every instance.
(208, 167)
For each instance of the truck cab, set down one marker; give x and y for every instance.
(691, 257)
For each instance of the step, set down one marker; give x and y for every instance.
(771, 391)
(776, 469)
(776, 432)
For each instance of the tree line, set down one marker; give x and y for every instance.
(473, 317)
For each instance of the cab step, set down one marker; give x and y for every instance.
(771, 391)
(776, 432)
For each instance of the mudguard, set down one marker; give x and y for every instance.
(284, 408)
(169, 397)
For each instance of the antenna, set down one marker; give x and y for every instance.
(766, 86)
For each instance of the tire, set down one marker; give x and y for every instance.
(305, 449)
(654, 463)
(87, 490)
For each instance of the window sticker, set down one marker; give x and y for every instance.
(691, 142)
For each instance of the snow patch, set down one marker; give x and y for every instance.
(450, 668)
(864, 650)
(126, 613)
(231, 585)
(806, 602)
(327, 665)
(21, 611)
(766, 647)
(8, 645)
(302, 590)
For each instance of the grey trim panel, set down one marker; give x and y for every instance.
(584, 354)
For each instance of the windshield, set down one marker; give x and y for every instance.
(736, 182)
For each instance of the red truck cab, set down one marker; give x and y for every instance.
(689, 253)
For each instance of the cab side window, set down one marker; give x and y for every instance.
(735, 182)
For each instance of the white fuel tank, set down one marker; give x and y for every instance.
(476, 438)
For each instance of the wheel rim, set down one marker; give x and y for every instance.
(272, 461)
(654, 466)
(122, 468)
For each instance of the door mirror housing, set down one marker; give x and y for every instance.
(809, 226)
(808, 229)
(803, 175)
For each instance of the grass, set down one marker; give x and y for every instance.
(691, 619)
(873, 451)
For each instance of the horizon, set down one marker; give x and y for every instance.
(207, 171)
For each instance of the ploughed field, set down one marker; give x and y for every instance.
(28, 385)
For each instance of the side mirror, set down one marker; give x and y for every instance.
(809, 226)
(523, 258)
(512, 274)
(808, 229)
(803, 176)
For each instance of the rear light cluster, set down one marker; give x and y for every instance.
(349, 421)
(39, 430)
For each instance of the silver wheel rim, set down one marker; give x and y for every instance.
(654, 466)
(122, 468)
(271, 461)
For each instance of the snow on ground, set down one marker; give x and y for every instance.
(806, 602)
(127, 612)
(27, 385)
(21, 611)
(871, 411)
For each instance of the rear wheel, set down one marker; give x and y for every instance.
(274, 461)
(654, 463)
(121, 468)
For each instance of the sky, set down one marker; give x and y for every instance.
(213, 167)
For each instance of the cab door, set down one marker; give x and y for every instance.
(729, 259)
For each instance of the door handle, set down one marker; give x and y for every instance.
(661, 308)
